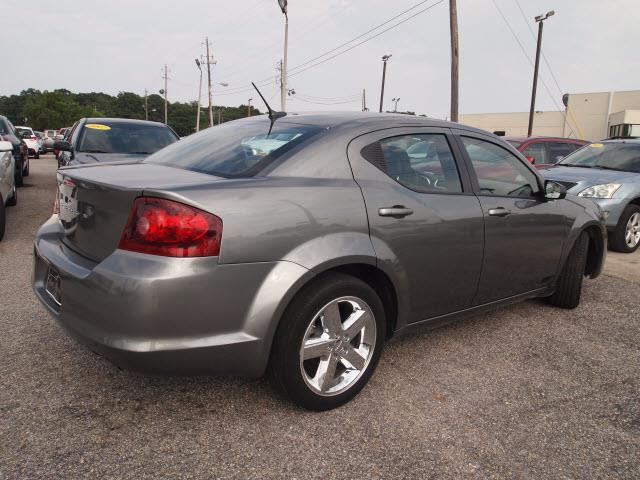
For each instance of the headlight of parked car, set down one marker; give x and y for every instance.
(600, 191)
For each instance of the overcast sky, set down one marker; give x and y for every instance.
(121, 45)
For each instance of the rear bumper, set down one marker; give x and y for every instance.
(166, 315)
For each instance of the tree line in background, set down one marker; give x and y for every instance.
(61, 108)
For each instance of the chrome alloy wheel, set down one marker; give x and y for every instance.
(338, 346)
(632, 232)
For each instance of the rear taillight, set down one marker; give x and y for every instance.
(33, 137)
(163, 227)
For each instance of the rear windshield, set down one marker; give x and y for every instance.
(607, 156)
(235, 149)
(131, 138)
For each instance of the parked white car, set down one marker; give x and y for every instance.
(8, 191)
(30, 138)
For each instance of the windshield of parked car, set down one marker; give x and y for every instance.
(621, 156)
(234, 149)
(123, 137)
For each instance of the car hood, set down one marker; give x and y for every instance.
(582, 178)
(81, 158)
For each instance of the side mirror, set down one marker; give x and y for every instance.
(63, 146)
(554, 190)
(6, 146)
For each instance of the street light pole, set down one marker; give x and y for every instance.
(540, 20)
(199, 96)
(249, 107)
(283, 73)
(385, 58)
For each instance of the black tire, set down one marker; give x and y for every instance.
(25, 171)
(569, 284)
(3, 218)
(37, 155)
(13, 200)
(617, 238)
(19, 177)
(285, 365)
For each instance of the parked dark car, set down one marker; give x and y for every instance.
(20, 151)
(545, 150)
(304, 249)
(94, 140)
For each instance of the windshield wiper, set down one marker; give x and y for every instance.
(140, 153)
(611, 168)
(93, 151)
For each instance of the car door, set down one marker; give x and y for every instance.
(425, 222)
(524, 232)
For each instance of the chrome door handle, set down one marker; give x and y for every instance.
(397, 211)
(499, 212)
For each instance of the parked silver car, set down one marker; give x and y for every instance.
(304, 247)
(8, 191)
(607, 172)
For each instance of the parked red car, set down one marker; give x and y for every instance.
(545, 150)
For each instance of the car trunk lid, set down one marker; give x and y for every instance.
(95, 201)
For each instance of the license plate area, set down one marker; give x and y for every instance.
(52, 285)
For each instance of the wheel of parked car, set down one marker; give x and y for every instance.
(19, 173)
(12, 201)
(329, 342)
(25, 171)
(569, 285)
(626, 236)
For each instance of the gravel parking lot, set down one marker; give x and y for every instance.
(527, 391)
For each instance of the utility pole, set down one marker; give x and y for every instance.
(540, 20)
(385, 58)
(364, 100)
(209, 82)
(395, 100)
(165, 93)
(283, 82)
(199, 96)
(146, 106)
(249, 107)
(219, 115)
(453, 27)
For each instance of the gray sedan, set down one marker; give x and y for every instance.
(607, 172)
(300, 246)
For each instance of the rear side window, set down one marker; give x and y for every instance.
(235, 149)
(423, 162)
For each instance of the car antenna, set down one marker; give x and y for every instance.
(273, 115)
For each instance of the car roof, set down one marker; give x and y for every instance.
(540, 137)
(364, 120)
(123, 121)
(621, 140)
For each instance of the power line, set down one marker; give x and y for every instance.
(524, 52)
(544, 57)
(312, 65)
(367, 39)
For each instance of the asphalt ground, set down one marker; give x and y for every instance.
(528, 391)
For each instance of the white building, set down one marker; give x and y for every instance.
(590, 116)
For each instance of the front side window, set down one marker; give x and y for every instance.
(499, 172)
(421, 162)
(536, 153)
